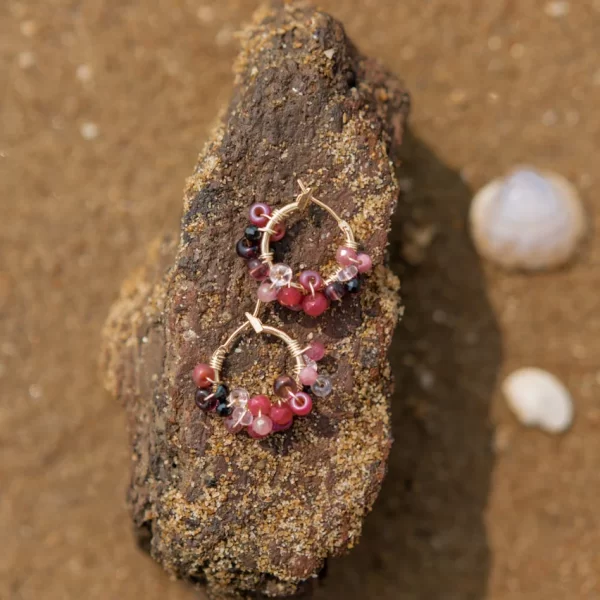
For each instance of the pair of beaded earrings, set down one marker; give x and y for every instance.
(312, 293)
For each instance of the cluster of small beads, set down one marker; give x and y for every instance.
(248, 247)
(312, 295)
(206, 399)
(258, 415)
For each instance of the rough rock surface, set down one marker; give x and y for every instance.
(243, 516)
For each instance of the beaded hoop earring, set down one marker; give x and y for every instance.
(312, 293)
(260, 415)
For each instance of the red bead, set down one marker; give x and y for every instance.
(316, 351)
(301, 404)
(258, 270)
(289, 296)
(203, 375)
(259, 213)
(315, 305)
(259, 404)
(284, 427)
(281, 414)
(279, 232)
(308, 278)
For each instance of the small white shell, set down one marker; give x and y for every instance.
(539, 399)
(527, 220)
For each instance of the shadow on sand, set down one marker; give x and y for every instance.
(426, 537)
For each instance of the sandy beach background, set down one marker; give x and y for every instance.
(104, 105)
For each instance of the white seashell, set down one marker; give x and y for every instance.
(527, 220)
(539, 399)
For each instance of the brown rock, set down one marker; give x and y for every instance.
(240, 515)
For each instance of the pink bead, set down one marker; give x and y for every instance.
(311, 277)
(203, 375)
(289, 296)
(253, 434)
(259, 214)
(267, 292)
(345, 256)
(365, 264)
(301, 404)
(259, 405)
(232, 425)
(281, 414)
(284, 427)
(315, 305)
(262, 425)
(316, 351)
(308, 376)
(258, 270)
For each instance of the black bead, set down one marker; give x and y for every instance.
(247, 249)
(205, 400)
(252, 233)
(307, 389)
(353, 285)
(221, 393)
(335, 291)
(223, 409)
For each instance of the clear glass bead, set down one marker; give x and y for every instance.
(242, 416)
(347, 273)
(309, 362)
(280, 275)
(322, 386)
(238, 397)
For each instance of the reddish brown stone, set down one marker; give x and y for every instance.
(228, 510)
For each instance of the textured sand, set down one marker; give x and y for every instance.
(93, 94)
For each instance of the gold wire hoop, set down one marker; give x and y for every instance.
(253, 321)
(300, 204)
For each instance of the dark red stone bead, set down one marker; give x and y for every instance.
(335, 291)
(284, 385)
(205, 400)
(279, 232)
(246, 249)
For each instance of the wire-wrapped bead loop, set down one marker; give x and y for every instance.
(260, 415)
(312, 293)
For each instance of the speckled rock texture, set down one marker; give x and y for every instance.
(241, 516)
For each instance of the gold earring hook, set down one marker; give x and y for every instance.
(252, 320)
(255, 322)
(300, 204)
